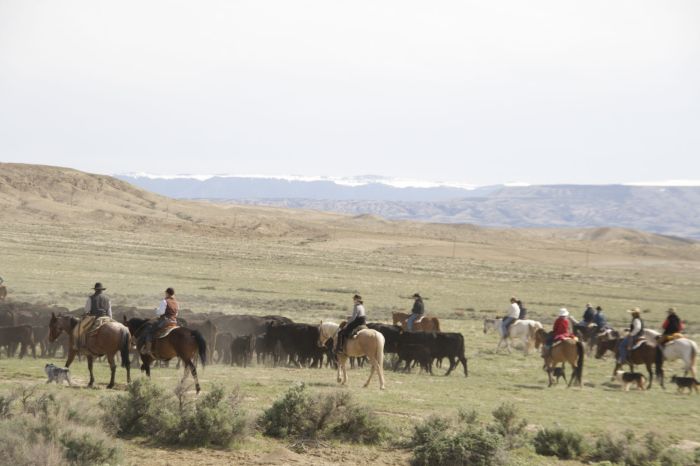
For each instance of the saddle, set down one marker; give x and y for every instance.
(87, 326)
(357, 330)
(639, 343)
(558, 342)
(165, 330)
(669, 339)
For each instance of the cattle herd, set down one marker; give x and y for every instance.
(238, 339)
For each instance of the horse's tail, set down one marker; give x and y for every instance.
(201, 346)
(579, 363)
(380, 350)
(124, 347)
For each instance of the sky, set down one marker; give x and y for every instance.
(473, 92)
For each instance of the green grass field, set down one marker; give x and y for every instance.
(309, 280)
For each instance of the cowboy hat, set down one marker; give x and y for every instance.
(357, 297)
(98, 286)
(563, 312)
(415, 296)
(635, 310)
(671, 309)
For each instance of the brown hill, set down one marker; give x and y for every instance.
(36, 194)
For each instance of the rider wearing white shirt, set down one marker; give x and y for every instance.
(357, 318)
(512, 316)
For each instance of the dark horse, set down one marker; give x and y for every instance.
(181, 342)
(110, 338)
(645, 354)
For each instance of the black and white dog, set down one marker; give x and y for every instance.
(629, 378)
(685, 382)
(57, 374)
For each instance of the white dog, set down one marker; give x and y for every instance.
(57, 374)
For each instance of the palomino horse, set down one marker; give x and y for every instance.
(523, 329)
(181, 342)
(645, 353)
(110, 338)
(368, 343)
(569, 350)
(682, 348)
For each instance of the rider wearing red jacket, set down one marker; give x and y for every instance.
(561, 326)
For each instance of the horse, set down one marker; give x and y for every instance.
(181, 342)
(110, 338)
(569, 350)
(367, 342)
(427, 324)
(682, 348)
(523, 329)
(644, 354)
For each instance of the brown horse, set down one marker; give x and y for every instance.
(426, 324)
(570, 351)
(109, 339)
(644, 354)
(182, 342)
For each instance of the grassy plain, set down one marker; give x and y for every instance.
(309, 277)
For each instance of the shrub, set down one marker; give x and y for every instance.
(631, 451)
(557, 442)
(146, 409)
(216, 419)
(142, 410)
(438, 441)
(43, 430)
(290, 415)
(88, 447)
(299, 416)
(507, 425)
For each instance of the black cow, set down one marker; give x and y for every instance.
(298, 341)
(415, 352)
(224, 342)
(242, 348)
(391, 335)
(440, 345)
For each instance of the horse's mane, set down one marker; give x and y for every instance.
(136, 323)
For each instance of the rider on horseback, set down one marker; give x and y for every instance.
(417, 311)
(635, 331)
(671, 326)
(513, 315)
(560, 331)
(98, 304)
(357, 318)
(167, 315)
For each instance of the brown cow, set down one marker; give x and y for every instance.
(17, 335)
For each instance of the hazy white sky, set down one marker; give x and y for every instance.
(470, 91)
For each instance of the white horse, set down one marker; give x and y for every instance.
(367, 342)
(524, 329)
(682, 348)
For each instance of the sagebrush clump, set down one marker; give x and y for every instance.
(298, 415)
(40, 427)
(173, 418)
(561, 443)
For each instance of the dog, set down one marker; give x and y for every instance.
(57, 374)
(685, 382)
(628, 378)
(559, 372)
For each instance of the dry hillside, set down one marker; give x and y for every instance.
(34, 194)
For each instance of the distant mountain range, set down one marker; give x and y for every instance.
(668, 210)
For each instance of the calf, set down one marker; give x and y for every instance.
(242, 350)
(412, 352)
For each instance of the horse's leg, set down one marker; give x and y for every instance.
(92, 377)
(615, 369)
(373, 363)
(71, 356)
(112, 368)
(651, 375)
(344, 369)
(549, 372)
(339, 362)
(193, 369)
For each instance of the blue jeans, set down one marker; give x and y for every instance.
(506, 323)
(622, 350)
(410, 320)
